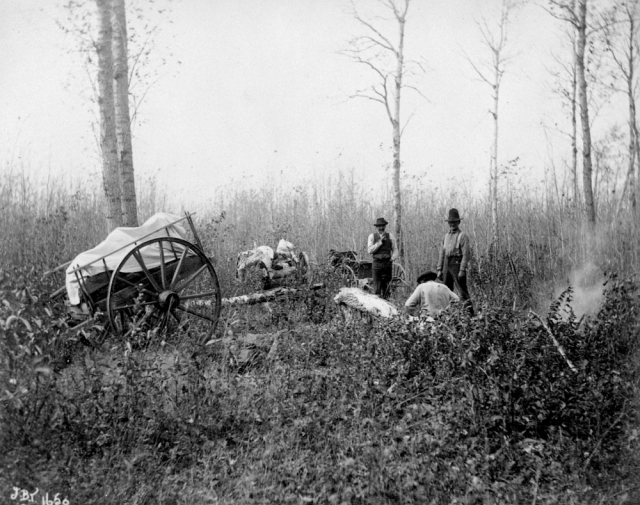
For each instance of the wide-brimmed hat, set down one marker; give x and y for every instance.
(454, 215)
(380, 222)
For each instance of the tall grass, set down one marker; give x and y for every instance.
(47, 224)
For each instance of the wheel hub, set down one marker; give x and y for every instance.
(168, 300)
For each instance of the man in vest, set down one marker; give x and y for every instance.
(382, 246)
(454, 259)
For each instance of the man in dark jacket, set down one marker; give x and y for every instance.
(454, 259)
(382, 246)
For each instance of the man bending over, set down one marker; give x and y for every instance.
(430, 296)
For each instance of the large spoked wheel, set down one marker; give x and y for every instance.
(162, 286)
(347, 275)
(398, 278)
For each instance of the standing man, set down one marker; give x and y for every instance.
(382, 246)
(454, 259)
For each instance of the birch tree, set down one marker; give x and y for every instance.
(111, 75)
(492, 73)
(122, 116)
(620, 33)
(567, 85)
(576, 15)
(370, 50)
(108, 142)
(587, 165)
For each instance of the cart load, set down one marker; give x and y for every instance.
(148, 278)
(106, 256)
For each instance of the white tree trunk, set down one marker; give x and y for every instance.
(574, 130)
(122, 116)
(587, 167)
(494, 160)
(108, 143)
(397, 193)
(633, 130)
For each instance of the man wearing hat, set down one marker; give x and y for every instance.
(382, 246)
(430, 297)
(454, 259)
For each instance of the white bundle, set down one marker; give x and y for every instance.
(285, 248)
(357, 299)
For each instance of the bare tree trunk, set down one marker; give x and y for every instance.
(633, 147)
(574, 128)
(584, 116)
(494, 153)
(108, 143)
(637, 153)
(633, 129)
(122, 117)
(496, 44)
(397, 195)
(365, 50)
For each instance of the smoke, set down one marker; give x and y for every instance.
(587, 282)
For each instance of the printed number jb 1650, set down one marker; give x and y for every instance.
(23, 495)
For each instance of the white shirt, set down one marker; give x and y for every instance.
(432, 297)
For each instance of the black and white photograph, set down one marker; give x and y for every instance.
(342, 252)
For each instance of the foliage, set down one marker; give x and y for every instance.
(292, 403)
(467, 410)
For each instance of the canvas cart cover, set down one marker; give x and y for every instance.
(155, 227)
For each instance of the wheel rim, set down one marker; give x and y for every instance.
(348, 275)
(398, 279)
(175, 287)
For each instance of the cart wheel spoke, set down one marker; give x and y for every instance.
(189, 311)
(175, 316)
(138, 257)
(120, 278)
(190, 279)
(176, 274)
(163, 278)
(134, 305)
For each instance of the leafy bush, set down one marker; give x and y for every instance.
(473, 410)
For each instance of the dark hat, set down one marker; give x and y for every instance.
(427, 276)
(380, 222)
(454, 215)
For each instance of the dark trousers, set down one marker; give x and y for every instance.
(451, 279)
(381, 272)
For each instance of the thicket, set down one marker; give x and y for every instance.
(297, 404)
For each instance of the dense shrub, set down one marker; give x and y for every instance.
(480, 410)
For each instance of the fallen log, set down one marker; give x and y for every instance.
(555, 342)
(265, 296)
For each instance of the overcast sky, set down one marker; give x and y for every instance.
(258, 89)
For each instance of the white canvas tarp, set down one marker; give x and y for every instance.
(117, 245)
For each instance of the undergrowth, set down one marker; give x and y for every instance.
(323, 410)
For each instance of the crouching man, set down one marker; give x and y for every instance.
(430, 297)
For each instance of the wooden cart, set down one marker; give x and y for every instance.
(182, 292)
(356, 273)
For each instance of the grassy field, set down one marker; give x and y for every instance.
(298, 404)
